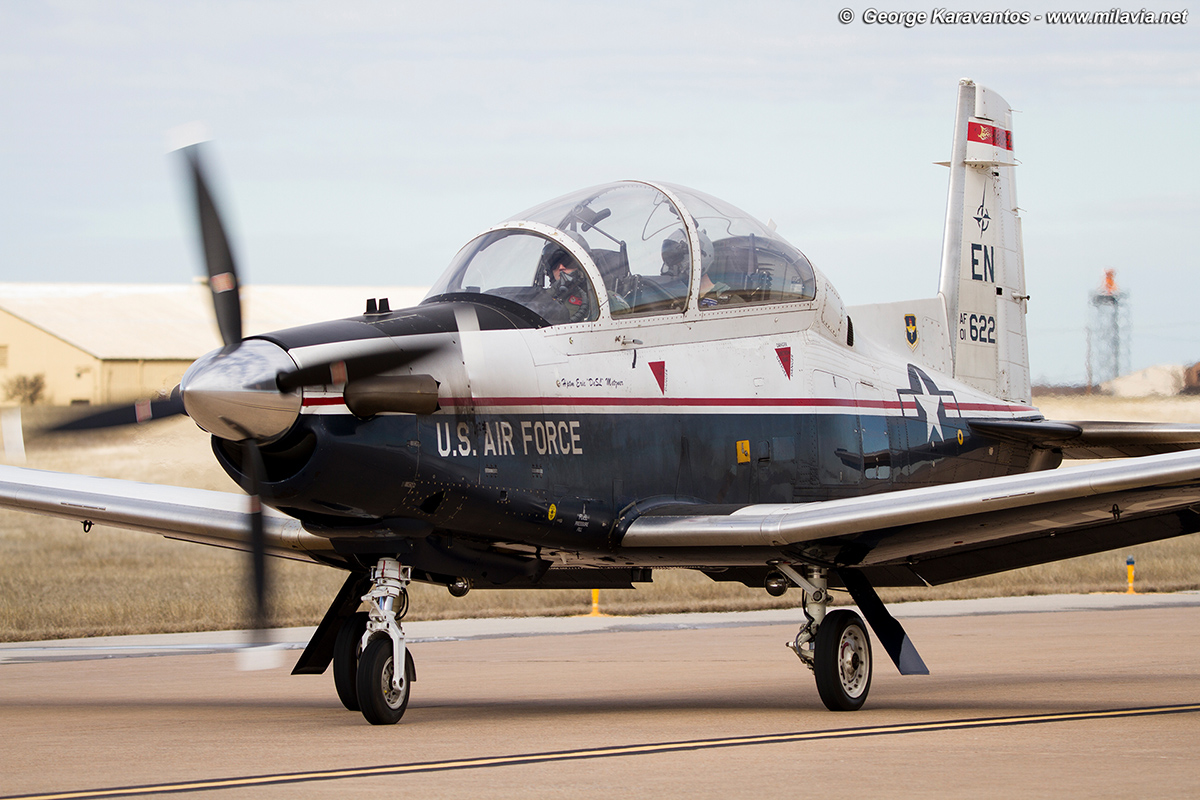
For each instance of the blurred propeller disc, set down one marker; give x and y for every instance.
(227, 305)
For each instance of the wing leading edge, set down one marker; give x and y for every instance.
(928, 535)
(194, 515)
(945, 533)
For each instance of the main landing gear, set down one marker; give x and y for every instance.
(369, 646)
(834, 645)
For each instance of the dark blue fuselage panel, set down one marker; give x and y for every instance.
(562, 480)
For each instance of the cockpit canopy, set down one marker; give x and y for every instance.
(651, 249)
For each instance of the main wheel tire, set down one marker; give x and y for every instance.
(345, 658)
(842, 661)
(378, 701)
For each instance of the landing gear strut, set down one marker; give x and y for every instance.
(834, 645)
(382, 689)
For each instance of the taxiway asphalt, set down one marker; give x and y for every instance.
(1095, 695)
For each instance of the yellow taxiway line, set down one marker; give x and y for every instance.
(604, 752)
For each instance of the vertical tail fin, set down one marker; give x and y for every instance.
(983, 266)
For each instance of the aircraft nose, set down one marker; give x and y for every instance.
(233, 394)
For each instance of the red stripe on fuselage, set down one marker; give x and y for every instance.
(689, 402)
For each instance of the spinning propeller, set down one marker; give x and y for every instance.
(224, 285)
(249, 390)
(227, 305)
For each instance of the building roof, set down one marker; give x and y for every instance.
(175, 321)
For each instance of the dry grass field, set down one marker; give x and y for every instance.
(58, 582)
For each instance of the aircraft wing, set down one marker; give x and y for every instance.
(1093, 439)
(194, 515)
(946, 533)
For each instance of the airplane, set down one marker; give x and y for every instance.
(639, 376)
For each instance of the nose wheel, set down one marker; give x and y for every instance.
(381, 698)
(380, 690)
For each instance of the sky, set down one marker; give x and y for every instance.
(364, 142)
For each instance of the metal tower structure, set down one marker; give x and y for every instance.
(1108, 331)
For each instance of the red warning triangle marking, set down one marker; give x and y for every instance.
(785, 360)
(659, 368)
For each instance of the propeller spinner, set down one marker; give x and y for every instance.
(235, 394)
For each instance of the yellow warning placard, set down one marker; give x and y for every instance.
(743, 452)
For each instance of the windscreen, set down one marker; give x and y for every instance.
(526, 268)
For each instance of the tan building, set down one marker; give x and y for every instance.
(109, 343)
(1161, 380)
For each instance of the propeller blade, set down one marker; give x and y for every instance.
(349, 369)
(255, 472)
(125, 414)
(218, 257)
(222, 282)
(260, 652)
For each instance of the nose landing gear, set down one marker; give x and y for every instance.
(380, 688)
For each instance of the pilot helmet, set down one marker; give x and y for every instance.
(570, 287)
(675, 253)
(554, 254)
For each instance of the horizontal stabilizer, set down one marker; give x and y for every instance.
(1093, 439)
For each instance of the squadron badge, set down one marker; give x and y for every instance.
(910, 330)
